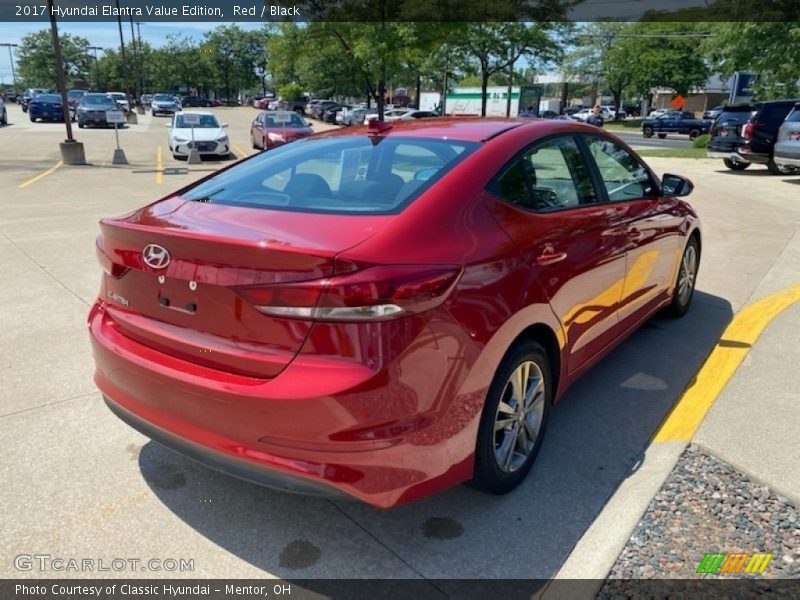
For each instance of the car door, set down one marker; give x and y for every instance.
(650, 224)
(568, 237)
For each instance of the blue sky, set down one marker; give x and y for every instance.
(105, 35)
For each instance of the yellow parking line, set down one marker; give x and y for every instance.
(26, 183)
(728, 354)
(239, 151)
(159, 167)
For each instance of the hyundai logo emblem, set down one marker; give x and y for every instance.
(155, 256)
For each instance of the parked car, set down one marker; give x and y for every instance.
(760, 134)
(413, 114)
(28, 94)
(713, 113)
(351, 116)
(298, 106)
(676, 122)
(122, 100)
(164, 104)
(188, 101)
(208, 137)
(317, 110)
(613, 113)
(146, 100)
(654, 114)
(329, 115)
(303, 320)
(585, 113)
(573, 110)
(726, 135)
(787, 148)
(47, 107)
(271, 129)
(390, 114)
(74, 98)
(92, 109)
(3, 113)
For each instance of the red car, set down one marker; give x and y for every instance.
(389, 311)
(273, 128)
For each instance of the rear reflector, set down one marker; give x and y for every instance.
(372, 294)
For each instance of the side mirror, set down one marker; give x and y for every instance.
(675, 185)
(224, 125)
(309, 124)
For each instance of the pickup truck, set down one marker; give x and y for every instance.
(676, 122)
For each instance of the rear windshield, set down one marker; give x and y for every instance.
(164, 98)
(206, 122)
(294, 121)
(794, 116)
(342, 175)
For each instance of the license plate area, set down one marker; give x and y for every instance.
(795, 136)
(178, 295)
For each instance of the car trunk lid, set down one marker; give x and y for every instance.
(187, 304)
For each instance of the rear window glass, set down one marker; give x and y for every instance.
(794, 116)
(343, 175)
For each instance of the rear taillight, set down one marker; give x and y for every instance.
(748, 130)
(109, 266)
(372, 294)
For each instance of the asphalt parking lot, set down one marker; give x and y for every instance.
(77, 482)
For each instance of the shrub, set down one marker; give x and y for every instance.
(291, 91)
(701, 141)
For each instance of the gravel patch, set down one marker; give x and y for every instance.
(706, 505)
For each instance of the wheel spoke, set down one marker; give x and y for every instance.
(512, 444)
(536, 392)
(518, 385)
(506, 408)
(501, 424)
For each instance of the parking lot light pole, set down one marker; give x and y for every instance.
(96, 79)
(71, 150)
(13, 71)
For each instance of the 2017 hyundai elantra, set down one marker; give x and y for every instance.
(385, 312)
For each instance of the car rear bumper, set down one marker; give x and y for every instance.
(725, 155)
(787, 153)
(324, 425)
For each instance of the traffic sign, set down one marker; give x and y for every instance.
(115, 116)
(191, 119)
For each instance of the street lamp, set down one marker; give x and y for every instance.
(11, 58)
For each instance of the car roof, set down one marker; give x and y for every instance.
(196, 112)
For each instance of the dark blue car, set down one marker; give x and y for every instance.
(46, 107)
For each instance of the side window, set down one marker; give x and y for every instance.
(549, 176)
(624, 177)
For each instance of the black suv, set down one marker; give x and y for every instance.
(726, 135)
(755, 141)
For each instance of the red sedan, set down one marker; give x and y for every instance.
(386, 312)
(273, 128)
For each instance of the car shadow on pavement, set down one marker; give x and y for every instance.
(758, 172)
(596, 438)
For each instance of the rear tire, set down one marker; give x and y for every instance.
(694, 134)
(662, 135)
(514, 419)
(33, 119)
(776, 169)
(647, 132)
(735, 166)
(686, 279)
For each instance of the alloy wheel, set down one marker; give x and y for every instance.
(519, 417)
(687, 274)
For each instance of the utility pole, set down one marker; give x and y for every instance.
(71, 150)
(141, 57)
(96, 82)
(13, 71)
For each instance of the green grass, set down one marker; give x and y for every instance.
(674, 152)
(624, 125)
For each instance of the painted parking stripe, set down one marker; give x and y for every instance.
(239, 151)
(736, 341)
(36, 178)
(159, 167)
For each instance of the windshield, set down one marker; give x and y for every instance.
(294, 121)
(48, 98)
(206, 122)
(163, 98)
(76, 93)
(341, 175)
(96, 99)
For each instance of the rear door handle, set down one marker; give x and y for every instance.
(550, 258)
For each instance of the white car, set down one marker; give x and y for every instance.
(654, 114)
(210, 138)
(392, 114)
(585, 113)
(121, 99)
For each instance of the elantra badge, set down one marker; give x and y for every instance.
(155, 256)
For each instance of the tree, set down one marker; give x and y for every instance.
(498, 46)
(776, 61)
(37, 66)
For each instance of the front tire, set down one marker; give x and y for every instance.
(687, 276)
(661, 136)
(647, 132)
(777, 169)
(734, 165)
(514, 419)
